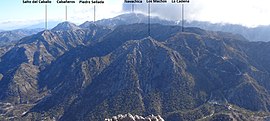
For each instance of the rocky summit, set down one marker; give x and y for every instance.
(129, 117)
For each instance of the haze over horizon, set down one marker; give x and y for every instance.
(15, 14)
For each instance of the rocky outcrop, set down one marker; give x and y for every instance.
(129, 117)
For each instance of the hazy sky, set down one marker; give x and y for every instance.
(251, 13)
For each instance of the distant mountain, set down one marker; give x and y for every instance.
(129, 18)
(11, 37)
(253, 34)
(51, 24)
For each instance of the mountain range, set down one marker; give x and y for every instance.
(97, 71)
(11, 37)
(259, 33)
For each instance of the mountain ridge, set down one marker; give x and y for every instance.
(190, 75)
(129, 49)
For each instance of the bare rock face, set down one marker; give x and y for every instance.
(129, 117)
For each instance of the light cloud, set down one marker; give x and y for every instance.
(77, 13)
(245, 12)
(82, 13)
(16, 24)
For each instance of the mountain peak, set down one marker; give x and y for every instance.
(131, 16)
(149, 38)
(43, 33)
(64, 26)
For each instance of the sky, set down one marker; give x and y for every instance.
(14, 14)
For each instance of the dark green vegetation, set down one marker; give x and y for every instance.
(93, 73)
